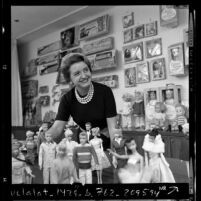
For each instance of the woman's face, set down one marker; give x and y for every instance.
(131, 145)
(80, 75)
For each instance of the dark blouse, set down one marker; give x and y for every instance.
(101, 106)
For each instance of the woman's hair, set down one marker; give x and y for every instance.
(71, 59)
(128, 141)
(83, 134)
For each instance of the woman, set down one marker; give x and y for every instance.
(87, 101)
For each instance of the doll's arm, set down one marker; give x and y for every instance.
(94, 154)
(101, 146)
(146, 158)
(75, 161)
(40, 156)
(54, 174)
(29, 171)
(141, 163)
(117, 155)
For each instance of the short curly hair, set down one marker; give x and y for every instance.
(71, 59)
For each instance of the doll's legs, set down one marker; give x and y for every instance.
(88, 176)
(137, 122)
(141, 121)
(46, 175)
(85, 176)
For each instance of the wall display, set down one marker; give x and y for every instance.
(128, 35)
(29, 89)
(69, 38)
(103, 60)
(133, 52)
(186, 46)
(153, 48)
(157, 69)
(168, 16)
(94, 28)
(176, 59)
(130, 77)
(56, 94)
(44, 100)
(128, 20)
(111, 80)
(30, 69)
(98, 45)
(44, 89)
(49, 68)
(142, 72)
(138, 32)
(49, 48)
(47, 59)
(151, 29)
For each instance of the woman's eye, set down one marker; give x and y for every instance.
(86, 70)
(76, 74)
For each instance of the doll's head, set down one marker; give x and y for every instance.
(29, 135)
(83, 138)
(118, 134)
(169, 94)
(131, 145)
(95, 131)
(152, 95)
(48, 137)
(68, 134)
(88, 126)
(127, 97)
(138, 96)
(180, 110)
(160, 107)
(61, 151)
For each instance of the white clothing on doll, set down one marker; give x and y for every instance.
(150, 109)
(70, 145)
(127, 108)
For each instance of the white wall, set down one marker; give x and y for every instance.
(142, 15)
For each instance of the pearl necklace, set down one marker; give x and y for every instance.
(87, 98)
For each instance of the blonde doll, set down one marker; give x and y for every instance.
(132, 172)
(103, 160)
(180, 116)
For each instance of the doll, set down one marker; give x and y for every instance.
(21, 172)
(127, 110)
(47, 153)
(132, 172)
(150, 108)
(180, 118)
(30, 146)
(88, 127)
(156, 168)
(103, 160)
(159, 116)
(63, 168)
(138, 110)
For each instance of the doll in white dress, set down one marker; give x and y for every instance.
(132, 171)
(103, 160)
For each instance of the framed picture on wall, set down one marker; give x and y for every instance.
(128, 35)
(49, 48)
(142, 73)
(176, 59)
(44, 89)
(94, 28)
(151, 29)
(133, 52)
(111, 81)
(186, 46)
(157, 69)
(69, 38)
(44, 100)
(29, 89)
(153, 48)
(128, 20)
(138, 32)
(130, 77)
(49, 68)
(30, 69)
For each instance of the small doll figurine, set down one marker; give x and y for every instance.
(21, 172)
(103, 160)
(132, 172)
(138, 110)
(127, 110)
(156, 168)
(150, 108)
(88, 127)
(47, 153)
(63, 168)
(180, 118)
(159, 116)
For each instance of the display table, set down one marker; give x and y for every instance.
(176, 144)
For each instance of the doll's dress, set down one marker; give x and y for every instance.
(130, 173)
(102, 158)
(150, 109)
(170, 109)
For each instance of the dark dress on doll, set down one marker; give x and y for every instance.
(138, 108)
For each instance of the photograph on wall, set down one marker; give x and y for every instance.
(47, 59)
(168, 16)
(157, 69)
(142, 73)
(69, 38)
(138, 32)
(151, 29)
(30, 69)
(176, 59)
(49, 48)
(128, 35)
(133, 52)
(49, 68)
(128, 20)
(29, 89)
(186, 46)
(111, 81)
(44, 89)
(153, 47)
(94, 28)
(44, 100)
(130, 77)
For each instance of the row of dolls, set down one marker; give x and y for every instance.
(167, 115)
